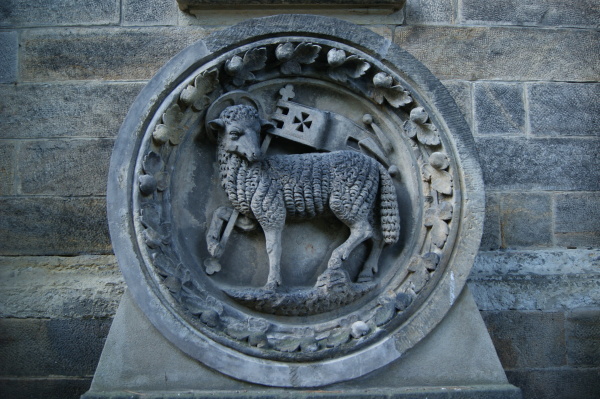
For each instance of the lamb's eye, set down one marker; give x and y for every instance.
(235, 134)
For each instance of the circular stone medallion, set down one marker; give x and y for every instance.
(295, 201)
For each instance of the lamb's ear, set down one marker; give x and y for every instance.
(266, 126)
(216, 125)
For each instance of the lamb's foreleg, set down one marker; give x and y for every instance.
(273, 240)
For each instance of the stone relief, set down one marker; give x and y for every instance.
(295, 200)
(347, 173)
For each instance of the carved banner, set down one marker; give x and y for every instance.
(295, 197)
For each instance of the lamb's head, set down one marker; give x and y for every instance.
(239, 128)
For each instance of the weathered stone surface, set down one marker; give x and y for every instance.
(577, 222)
(536, 280)
(540, 164)
(491, 238)
(564, 383)
(88, 286)
(430, 11)
(583, 335)
(50, 387)
(58, 12)
(113, 54)
(461, 92)
(526, 220)
(59, 346)
(473, 53)
(65, 110)
(536, 12)
(9, 46)
(499, 108)
(53, 226)
(7, 156)
(153, 12)
(564, 109)
(528, 339)
(64, 167)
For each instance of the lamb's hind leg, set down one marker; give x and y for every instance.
(372, 263)
(360, 231)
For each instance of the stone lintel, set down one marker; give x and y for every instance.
(191, 5)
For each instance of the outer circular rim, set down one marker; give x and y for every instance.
(237, 364)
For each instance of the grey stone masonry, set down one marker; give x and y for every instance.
(7, 159)
(580, 13)
(65, 109)
(59, 347)
(546, 280)
(577, 220)
(101, 53)
(491, 238)
(430, 11)
(64, 167)
(583, 337)
(528, 339)
(526, 220)
(558, 382)
(540, 164)
(86, 286)
(58, 12)
(9, 44)
(564, 109)
(499, 108)
(461, 92)
(53, 226)
(149, 12)
(498, 53)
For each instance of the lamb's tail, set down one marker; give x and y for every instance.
(390, 218)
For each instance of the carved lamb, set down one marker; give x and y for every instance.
(271, 189)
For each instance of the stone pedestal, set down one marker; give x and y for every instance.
(457, 360)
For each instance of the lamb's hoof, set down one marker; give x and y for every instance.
(271, 285)
(364, 278)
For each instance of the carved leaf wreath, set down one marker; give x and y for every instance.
(384, 88)
(241, 69)
(292, 58)
(197, 95)
(342, 67)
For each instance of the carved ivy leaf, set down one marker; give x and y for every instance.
(241, 69)
(164, 266)
(436, 218)
(403, 301)
(150, 215)
(419, 279)
(292, 58)
(148, 184)
(386, 312)
(417, 127)
(342, 67)
(155, 178)
(433, 172)
(172, 128)
(197, 95)
(152, 163)
(338, 336)
(384, 88)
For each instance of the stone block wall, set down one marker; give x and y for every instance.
(525, 74)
